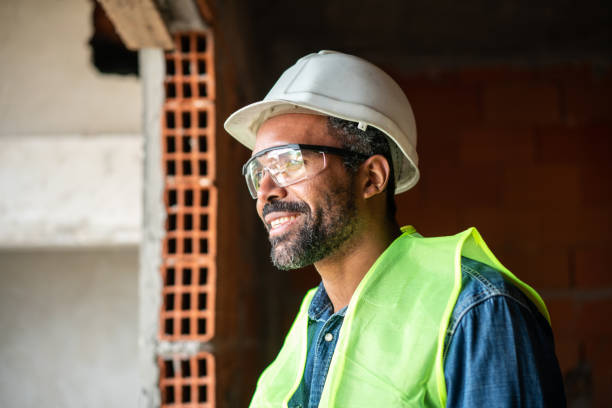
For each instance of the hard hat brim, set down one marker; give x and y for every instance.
(245, 122)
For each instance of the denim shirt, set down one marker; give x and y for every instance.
(498, 350)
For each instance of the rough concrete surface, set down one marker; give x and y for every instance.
(49, 85)
(70, 190)
(152, 72)
(68, 328)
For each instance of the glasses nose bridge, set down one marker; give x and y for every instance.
(270, 172)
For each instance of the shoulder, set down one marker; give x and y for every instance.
(499, 348)
(484, 289)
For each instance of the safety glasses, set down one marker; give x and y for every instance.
(289, 164)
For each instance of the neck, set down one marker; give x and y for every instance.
(342, 271)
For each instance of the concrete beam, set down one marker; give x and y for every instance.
(70, 190)
(139, 23)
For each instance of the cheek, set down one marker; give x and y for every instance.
(259, 208)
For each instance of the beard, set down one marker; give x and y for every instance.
(320, 234)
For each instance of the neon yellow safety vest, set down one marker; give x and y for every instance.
(390, 346)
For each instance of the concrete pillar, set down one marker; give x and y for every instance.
(151, 62)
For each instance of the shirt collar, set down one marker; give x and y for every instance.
(321, 307)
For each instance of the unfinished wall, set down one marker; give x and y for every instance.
(71, 144)
(72, 190)
(68, 327)
(48, 83)
(69, 176)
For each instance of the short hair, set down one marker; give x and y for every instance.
(369, 142)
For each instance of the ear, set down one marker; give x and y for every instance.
(376, 172)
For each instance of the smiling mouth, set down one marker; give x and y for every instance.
(281, 221)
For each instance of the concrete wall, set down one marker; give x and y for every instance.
(58, 190)
(70, 181)
(68, 327)
(48, 83)
(58, 184)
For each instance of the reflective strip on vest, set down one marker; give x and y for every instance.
(390, 348)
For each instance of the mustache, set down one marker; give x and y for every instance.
(288, 206)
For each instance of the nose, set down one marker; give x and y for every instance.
(269, 190)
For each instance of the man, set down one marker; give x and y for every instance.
(398, 320)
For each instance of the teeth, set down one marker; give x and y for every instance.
(282, 220)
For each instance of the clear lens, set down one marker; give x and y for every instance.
(285, 166)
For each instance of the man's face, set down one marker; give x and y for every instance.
(312, 219)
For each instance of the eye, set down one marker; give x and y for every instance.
(257, 174)
(293, 164)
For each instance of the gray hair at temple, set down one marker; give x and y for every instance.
(370, 141)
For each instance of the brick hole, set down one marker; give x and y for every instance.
(203, 222)
(202, 119)
(186, 167)
(202, 394)
(169, 326)
(203, 246)
(170, 168)
(187, 90)
(186, 390)
(202, 90)
(188, 222)
(186, 68)
(172, 246)
(170, 145)
(168, 369)
(186, 276)
(202, 144)
(186, 120)
(186, 145)
(201, 326)
(185, 301)
(169, 395)
(202, 368)
(204, 198)
(185, 46)
(185, 368)
(171, 198)
(171, 222)
(202, 167)
(170, 68)
(170, 120)
(170, 301)
(187, 245)
(170, 90)
(201, 44)
(170, 277)
(185, 325)
(188, 198)
(202, 299)
(203, 276)
(201, 67)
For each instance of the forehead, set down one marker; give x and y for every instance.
(294, 128)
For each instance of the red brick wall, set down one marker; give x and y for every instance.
(523, 154)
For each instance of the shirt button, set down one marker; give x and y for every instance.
(329, 337)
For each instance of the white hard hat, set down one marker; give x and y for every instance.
(344, 86)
